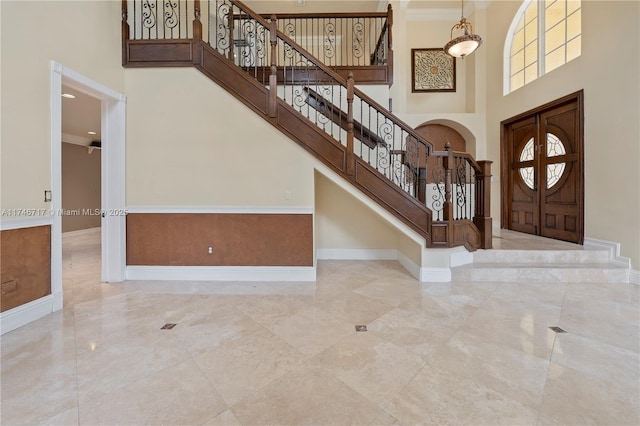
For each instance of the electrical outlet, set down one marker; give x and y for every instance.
(210, 250)
(287, 195)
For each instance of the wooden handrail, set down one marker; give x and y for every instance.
(460, 154)
(327, 15)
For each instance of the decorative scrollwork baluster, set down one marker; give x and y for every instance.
(358, 41)
(149, 18)
(171, 17)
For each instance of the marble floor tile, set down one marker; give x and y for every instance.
(307, 396)
(412, 331)
(240, 367)
(179, 394)
(268, 310)
(66, 418)
(313, 330)
(385, 419)
(205, 329)
(374, 367)
(46, 381)
(354, 307)
(510, 372)
(616, 323)
(597, 359)
(114, 366)
(226, 418)
(575, 398)
(529, 334)
(392, 292)
(436, 397)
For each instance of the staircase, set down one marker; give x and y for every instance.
(313, 103)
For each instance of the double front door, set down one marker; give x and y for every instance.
(542, 171)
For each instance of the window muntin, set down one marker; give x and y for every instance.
(554, 148)
(546, 36)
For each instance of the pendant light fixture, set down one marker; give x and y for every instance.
(465, 44)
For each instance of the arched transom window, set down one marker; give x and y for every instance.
(544, 35)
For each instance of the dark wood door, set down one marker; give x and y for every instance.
(543, 178)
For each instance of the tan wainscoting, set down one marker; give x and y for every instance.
(183, 239)
(26, 265)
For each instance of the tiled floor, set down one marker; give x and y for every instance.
(288, 353)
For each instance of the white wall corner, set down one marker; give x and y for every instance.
(24, 314)
(409, 265)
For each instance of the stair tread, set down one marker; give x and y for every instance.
(537, 265)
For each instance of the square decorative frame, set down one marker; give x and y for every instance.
(432, 70)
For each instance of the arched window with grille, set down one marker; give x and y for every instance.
(543, 35)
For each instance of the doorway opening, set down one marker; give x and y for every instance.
(112, 211)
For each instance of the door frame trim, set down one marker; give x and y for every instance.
(577, 97)
(112, 174)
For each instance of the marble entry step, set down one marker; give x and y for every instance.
(541, 272)
(540, 256)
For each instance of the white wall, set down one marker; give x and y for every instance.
(84, 36)
(190, 143)
(608, 70)
(342, 222)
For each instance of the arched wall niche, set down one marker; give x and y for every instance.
(438, 132)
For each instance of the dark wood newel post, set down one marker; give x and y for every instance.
(390, 45)
(447, 210)
(482, 217)
(125, 31)
(197, 32)
(389, 28)
(273, 77)
(350, 95)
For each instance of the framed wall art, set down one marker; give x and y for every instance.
(432, 70)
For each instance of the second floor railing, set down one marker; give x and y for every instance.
(340, 39)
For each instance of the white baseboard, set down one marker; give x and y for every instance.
(24, 314)
(611, 247)
(221, 273)
(357, 254)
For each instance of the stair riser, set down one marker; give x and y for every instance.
(542, 275)
(540, 256)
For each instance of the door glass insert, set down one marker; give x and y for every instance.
(527, 173)
(555, 148)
